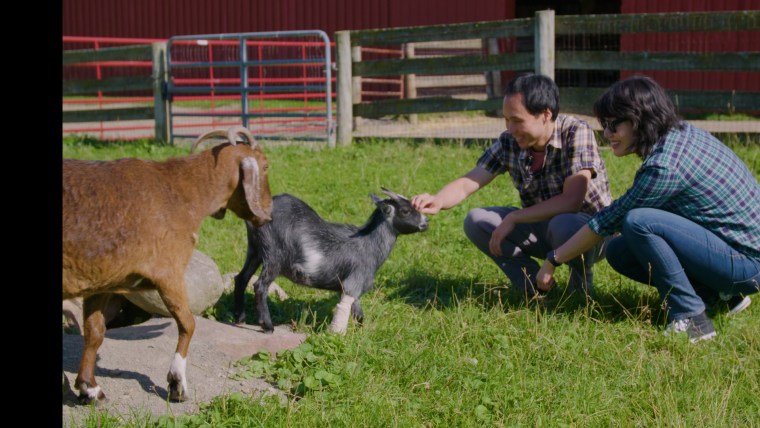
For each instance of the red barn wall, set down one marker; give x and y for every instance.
(167, 18)
(739, 41)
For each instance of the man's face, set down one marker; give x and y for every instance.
(529, 130)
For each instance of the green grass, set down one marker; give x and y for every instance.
(444, 343)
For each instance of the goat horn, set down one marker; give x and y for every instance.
(234, 131)
(216, 133)
(393, 195)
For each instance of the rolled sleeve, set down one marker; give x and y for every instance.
(653, 187)
(583, 152)
(494, 159)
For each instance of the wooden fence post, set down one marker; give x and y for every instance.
(410, 82)
(345, 84)
(493, 49)
(160, 103)
(544, 43)
(356, 84)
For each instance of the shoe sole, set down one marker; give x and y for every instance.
(741, 306)
(707, 336)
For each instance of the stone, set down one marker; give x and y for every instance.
(73, 322)
(274, 289)
(204, 287)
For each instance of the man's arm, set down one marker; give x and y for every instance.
(569, 201)
(453, 193)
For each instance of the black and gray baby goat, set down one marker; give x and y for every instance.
(301, 246)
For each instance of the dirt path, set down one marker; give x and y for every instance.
(133, 362)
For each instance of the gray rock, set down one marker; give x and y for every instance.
(274, 289)
(204, 287)
(72, 316)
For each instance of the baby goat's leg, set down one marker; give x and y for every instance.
(94, 332)
(356, 311)
(175, 299)
(340, 319)
(261, 291)
(252, 262)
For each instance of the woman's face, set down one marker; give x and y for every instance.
(620, 134)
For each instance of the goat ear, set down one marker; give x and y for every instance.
(376, 199)
(252, 186)
(387, 209)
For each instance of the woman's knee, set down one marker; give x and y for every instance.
(638, 220)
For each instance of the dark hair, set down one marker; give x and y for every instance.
(642, 101)
(539, 93)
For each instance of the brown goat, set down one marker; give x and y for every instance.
(131, 225)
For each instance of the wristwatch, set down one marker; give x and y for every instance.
(552, 257)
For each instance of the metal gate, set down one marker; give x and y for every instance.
(277, 84)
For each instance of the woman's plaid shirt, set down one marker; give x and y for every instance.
(692, 174)
(571, 149)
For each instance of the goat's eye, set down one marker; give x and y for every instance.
(405, 211)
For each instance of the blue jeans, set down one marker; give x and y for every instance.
(529, 240)
(685, 262)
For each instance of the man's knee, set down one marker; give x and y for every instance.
(476, 225)
(563, 226)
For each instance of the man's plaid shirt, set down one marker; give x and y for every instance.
(571, 149)
(692, 174)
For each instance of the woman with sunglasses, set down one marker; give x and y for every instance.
(689, 224)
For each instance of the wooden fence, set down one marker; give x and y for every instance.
(155, 53)
(544, 59)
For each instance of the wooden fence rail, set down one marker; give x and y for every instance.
(155, 82)
(544, 59)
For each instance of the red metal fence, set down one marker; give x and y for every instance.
(281, 92)
(100, 70)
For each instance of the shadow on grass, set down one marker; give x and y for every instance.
(314, 313)
(424, 291)
(418, 288)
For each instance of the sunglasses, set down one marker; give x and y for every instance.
(611, 125)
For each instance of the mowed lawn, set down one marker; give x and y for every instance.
(444, 342)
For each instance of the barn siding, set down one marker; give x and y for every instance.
(741, 41)
(167, 18)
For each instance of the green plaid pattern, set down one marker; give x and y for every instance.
(692, 174)
(572, 148)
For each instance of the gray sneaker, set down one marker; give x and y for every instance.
(735, 304)
(698, 327)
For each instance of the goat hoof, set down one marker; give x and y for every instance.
(176, 393)
(239, 319)
(86, 399)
